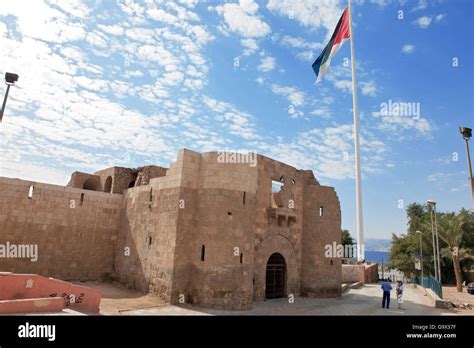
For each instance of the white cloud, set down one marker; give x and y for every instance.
(312, 14)
(422, 4)
(158, 14)
(321, 112)
(306, 56)
(440, 17)
(64, 96)
(43, 22)
(97, 39)
(76, 8)
(250, 46)
(115, 29)
(298, 42)
(133, 73)
(408, 49)
(238, 123)
(369, 88)
(396, 124)
(293, 94)
(329, 151)
(242, 18)
(423, 22)
(380, 3)
(345, 85)
(267, 64)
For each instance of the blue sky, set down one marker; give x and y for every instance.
(125, 83)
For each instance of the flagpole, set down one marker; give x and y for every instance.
(359, 221)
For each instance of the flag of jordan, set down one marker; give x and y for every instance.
(340, 35)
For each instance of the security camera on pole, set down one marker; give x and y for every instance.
(10, 80)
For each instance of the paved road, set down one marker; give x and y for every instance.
(364, 301)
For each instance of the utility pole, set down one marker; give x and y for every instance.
(467, 134)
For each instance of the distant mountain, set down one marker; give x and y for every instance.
(377, 244)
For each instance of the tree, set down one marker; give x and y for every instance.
(405, 246)
(401, 253)
(451, 228)
(346, 238)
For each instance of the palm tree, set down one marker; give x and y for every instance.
(451, 229)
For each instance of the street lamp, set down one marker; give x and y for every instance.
(467, 134)
(434, 229)
(10, 80)
(421, 257)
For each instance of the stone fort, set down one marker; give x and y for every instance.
(215, 234)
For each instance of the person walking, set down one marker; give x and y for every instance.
(400, 288)
(386, 287)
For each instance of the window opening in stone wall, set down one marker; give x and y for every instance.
(241, 257)
(31, 191)
(203, 252)
(276, 199)
(276, 186)
(150, 240)
(108, 185)
(82, 199)
(243, 199)
(151, 195)
(321, 211)
(229, 213)
(131, 184)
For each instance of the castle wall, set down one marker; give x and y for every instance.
(217, 217)
(321, 275)
(74, 239)
(121, 178)
(199, 232)
(278, 230)
(146, 249)
(85, 181)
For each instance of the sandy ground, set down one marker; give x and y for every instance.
(451, 294)
(118, 299)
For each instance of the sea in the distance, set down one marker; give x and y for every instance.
(377, 256)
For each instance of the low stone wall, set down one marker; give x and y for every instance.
(352, 273)
(360, 273)
(371, 274)
(32, 305)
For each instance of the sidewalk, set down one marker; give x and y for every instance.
(364, 301)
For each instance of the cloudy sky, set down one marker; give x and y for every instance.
(127, 83)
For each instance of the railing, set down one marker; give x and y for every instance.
(431, 283)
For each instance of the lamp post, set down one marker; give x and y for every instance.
(421, 257)
(434, 229)
(10, 80)
(467, 134)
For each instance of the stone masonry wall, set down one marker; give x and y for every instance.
(278, 230)
(321, 275)
(146, 247)
(75, 240)
(216, 217)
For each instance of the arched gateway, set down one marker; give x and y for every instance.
(275, 281)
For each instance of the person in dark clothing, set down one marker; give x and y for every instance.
(386, 287)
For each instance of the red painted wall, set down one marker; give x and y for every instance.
(33, 286)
